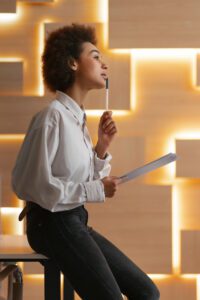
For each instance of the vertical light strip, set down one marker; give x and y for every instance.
(9, 18)
(194, 70)
(103, 18)
(40, 48)
(40, 52)
(198, 287)
(133, 82)
(103, 11)
(175, 231)
(11, 137)
(11, 216)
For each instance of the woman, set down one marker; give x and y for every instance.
(58, 171)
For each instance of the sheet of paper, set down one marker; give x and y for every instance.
(155, 164)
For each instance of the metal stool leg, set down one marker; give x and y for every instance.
(52, 281)
(68, 290)
(18, 284)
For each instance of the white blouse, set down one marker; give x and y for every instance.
(57, 167)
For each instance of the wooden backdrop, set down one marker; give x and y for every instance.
(152, 48)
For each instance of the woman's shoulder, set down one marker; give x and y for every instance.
(50, 115)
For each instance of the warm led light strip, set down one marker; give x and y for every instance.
(99, 112)
(11, 59)
(9, 18)
(11, 137)
(185, 135)
(102, 10)
(159, 53)
(13, 211)
(175, 231)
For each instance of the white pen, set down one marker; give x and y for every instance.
(107, 94)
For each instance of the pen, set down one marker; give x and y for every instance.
(107, 94)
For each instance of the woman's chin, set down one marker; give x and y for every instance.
(101, 85)
(97, 85)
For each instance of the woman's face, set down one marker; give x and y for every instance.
(91, 71)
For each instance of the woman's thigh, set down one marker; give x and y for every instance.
(67, 241)
(133, 282)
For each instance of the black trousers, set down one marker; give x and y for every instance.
(96, 268)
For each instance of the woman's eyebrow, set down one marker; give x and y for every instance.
(94, 50)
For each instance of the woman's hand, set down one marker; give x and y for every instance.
(106, 132)
(110, 185)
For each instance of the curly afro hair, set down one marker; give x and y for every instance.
(61, 47)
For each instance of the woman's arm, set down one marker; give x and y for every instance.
(106, 132)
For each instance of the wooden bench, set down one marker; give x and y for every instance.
(15, 248)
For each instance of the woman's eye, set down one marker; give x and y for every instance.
(97, 57)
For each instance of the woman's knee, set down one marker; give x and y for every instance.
(152, 294)
(149, 293)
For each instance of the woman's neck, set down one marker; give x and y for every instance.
(77, 94)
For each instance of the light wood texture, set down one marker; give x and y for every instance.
(138, 221)
(127, 154)
(33, 288)
(11, 78)
(154, 24)
(189, 155)
(16, 112)
(8, 154)
(177, 288)
(36, 1)
(32, 268)
(189, 209)
(7, 6)
(12, 246)
(190, 245)
(23, 38)
(9, 221)
(197, 70)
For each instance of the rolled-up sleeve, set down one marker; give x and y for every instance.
(102, 167)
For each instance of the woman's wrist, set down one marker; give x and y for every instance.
(101, 150)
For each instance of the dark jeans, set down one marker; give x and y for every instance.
(96, 268)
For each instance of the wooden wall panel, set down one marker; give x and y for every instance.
(8, 154)
(37, 1)
(189, 154)
(127, 154)
(138, 220)
(32, 268)
(197, 69)
(154, 24)
(33, 287)
(23, 38)
(190, 245)
(7, 6)
(11, 78)
(189, 209)
(16, 112)
(177, 288)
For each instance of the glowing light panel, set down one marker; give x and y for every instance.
(9, 18)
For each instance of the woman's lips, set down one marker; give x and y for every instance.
(104, 76)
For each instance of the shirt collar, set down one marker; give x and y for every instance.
(72, 105)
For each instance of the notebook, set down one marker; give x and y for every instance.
(153, 165)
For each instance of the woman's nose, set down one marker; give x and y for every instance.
(104, 66)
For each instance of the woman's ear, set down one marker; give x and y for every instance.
(72, 63)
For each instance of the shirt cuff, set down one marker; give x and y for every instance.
(94, 191)
(101, 163)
